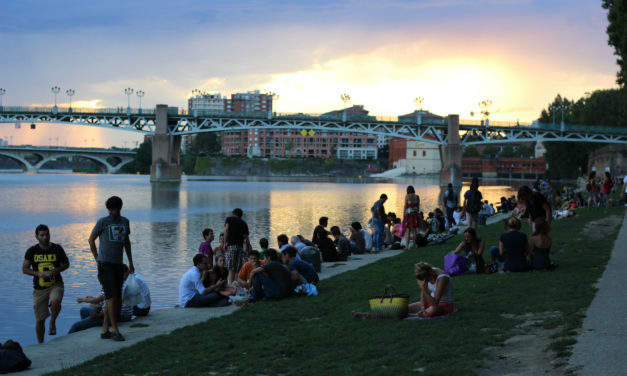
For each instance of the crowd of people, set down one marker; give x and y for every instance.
(234, 272)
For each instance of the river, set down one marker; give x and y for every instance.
(166, 225)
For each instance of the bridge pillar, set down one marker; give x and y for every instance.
(451, 155)
(166, 150)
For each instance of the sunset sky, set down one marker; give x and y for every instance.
(454, 53)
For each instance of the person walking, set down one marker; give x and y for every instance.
(45, 261)
(379, 219)
(113, 232)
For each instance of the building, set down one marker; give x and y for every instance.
(290, 143)
(611, 157)
(204, 103)
(518, 168)
(417, 157)
(421, 117)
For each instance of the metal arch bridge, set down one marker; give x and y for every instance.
(47, 154)
(184, 123)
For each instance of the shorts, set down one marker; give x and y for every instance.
(111, 277)
(234, 257)
(42, 297)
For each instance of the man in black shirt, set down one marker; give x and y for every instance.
(235, 237)
(320, 232)
(45, 261)
(271, 280)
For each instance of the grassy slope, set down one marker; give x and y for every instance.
(306, 336)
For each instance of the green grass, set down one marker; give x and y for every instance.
(318, 336)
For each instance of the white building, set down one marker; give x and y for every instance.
(416, 157)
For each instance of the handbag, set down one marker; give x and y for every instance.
(455, 264)
(389, 305)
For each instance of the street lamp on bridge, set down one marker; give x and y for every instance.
(484, 106)
(418, 102)
(128, 91)
(346, 99)
(55, 90)
(275, 97)
(2, 91)
(70, 93)
(140, 94)
(554, 109)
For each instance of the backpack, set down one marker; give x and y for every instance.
(474, 202)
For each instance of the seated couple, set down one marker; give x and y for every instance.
(93, 315)
(436, 293)
(276, 279)
(192, 291)
(514, 249)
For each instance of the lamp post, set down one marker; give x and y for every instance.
(418, 102)
(484, 105)
(2, 91)
(275, 97)
(558, 107)
(346, 99)
(69, 93)
(140, 94)
(128, 91)
(55, 90)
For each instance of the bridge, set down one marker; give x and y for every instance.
(43, 155)
(168, 124)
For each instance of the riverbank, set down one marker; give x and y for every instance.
(61, 353)
(519, 323)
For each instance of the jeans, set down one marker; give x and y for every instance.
(86, 321)
(494, 254)
(204, 300)
(263, 285)
(379, 233)
(449, 216)
(354, 249)
(140, 311)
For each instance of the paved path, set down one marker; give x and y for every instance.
(69, 350)
(601, 348)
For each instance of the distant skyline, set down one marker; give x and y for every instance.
(453, 53)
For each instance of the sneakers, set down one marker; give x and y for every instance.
(107, 335)
(114, 336)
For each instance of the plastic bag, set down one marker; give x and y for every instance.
(132, 292)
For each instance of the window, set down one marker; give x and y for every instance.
(424, 153)
(414, 153)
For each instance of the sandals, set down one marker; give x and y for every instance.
(52, 331)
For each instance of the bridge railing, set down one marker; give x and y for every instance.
(76, 110)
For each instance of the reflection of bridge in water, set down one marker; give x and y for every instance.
(167, 124)
(112, 160)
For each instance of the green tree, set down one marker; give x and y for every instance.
(205, 143)
(471, 151)
(526, 150)
(617, 35)
(142, 161)
(490, 151)
(508, 152)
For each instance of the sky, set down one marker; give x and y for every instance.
(453, 53)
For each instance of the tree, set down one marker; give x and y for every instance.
(142, 161)
(508, 152)
(617, 35)
(205, 143)
(471, 151)
(489, 151)
(526, 150)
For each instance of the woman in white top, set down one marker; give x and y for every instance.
(436, 292)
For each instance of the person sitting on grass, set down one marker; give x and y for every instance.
(540, 245)
(357, 240)
(272, 280)
(472, 247)
(243, 277)
(264, 245)
(192, 293)
(302, 272)
(513, 247)
(342, 244)
(436, 293)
